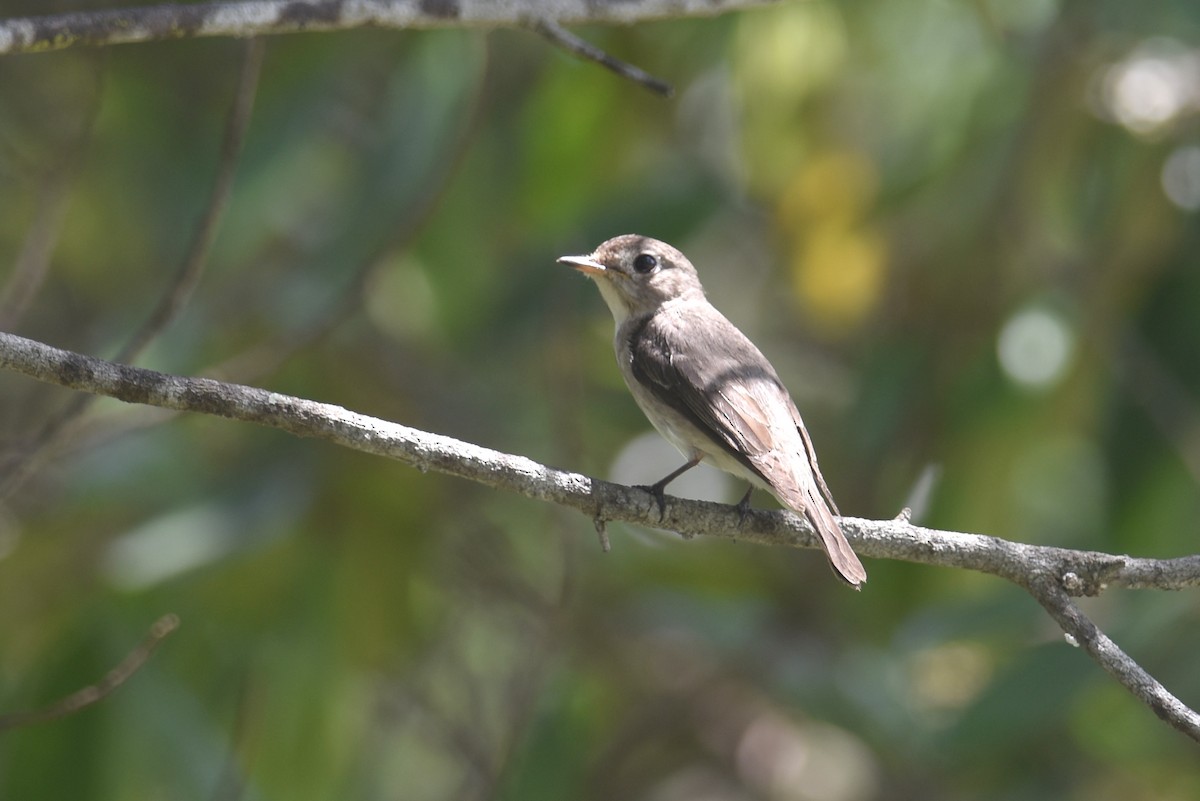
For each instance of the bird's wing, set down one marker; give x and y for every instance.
(719, 381)
(691, 376)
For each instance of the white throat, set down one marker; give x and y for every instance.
(616, 304)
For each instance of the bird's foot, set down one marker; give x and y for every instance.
(656, 492)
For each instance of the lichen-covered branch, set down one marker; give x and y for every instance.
(263, 17)
(1052, 575)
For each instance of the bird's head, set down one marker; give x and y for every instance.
(637, 274)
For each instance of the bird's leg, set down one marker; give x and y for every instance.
(656, 489)
(743, 506)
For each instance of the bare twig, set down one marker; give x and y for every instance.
(1050, 574)
(572, 43)
(26, 460)
(602, 532)
(191, 269)
(89, 695)
(263, 17)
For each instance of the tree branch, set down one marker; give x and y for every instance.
(1052, 575)
(264, 17)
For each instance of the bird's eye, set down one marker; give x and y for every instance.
(645, 263)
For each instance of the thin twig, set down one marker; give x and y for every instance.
(89, 695)
(1036, 568)
(21, 464)
(584, 49)
(192, 268)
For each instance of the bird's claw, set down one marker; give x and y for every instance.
(656, 492)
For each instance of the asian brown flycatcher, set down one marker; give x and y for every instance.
(707, 388)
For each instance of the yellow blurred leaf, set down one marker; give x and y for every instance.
(833, 184)
(838, 275)
(781, 56)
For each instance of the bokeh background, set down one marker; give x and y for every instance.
(965, 232)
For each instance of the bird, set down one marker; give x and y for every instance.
(707, 388)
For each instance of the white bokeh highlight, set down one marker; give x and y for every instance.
(1181, 177)
(1035, 348)
(1152, 87)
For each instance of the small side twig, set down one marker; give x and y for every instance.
(89, 695)
(584, 49)
(602, 532)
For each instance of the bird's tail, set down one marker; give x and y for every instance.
(841, 556)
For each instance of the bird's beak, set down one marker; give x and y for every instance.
(585, 264)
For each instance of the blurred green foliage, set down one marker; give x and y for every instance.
(964, 232)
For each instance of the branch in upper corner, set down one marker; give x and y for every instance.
(265, 17)
(1049, 573)
(89, 695)
(572, 43)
